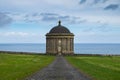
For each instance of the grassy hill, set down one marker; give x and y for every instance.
(98, 67)
(18, 66)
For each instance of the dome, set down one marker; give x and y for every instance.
(59, 29)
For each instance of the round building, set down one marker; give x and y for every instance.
(59, 40)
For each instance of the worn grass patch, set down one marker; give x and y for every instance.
(98, 67)
(19, 66)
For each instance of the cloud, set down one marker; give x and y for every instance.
(99, 1)
(45, 17)
(103, 27)
(69, 19)
(92, 1)
(52, 18)
(17, 34)
(49, 16)
(82, 1)
(35, 5)
(4, 19)
(112, 7)
(65, 18)
(96, 1)
(37, 17)
(21, 37)
(105, 1)
(98, 26)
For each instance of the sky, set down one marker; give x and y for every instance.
(91, 21)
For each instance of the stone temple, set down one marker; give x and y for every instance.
(59, 41)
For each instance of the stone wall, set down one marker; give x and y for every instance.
(60, 43)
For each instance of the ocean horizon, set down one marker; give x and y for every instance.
(79, 48)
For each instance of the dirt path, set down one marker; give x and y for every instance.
(60, 69)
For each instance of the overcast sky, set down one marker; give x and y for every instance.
(91, 21)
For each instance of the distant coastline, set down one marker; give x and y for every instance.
(15, 52)
(32, 53)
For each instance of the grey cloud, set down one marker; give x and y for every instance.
(96, 1)
(52, 18)
(37, 17)
(32, 15)
(65, 18)
(82, 1)
(104, 1)
(93, 1)
(100, 1)
(103, 27)
(49, 14)
(112, 7)
(35, 14)
(4, 19)
(47, 17)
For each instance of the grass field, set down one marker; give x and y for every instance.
(18, 66)
(98, 67)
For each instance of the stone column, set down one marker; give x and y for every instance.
(47, 45)
(53, 45)
(73, 44)
(56, 45)
(68, 45)
(64, 45)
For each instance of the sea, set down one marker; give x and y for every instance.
(81, 48)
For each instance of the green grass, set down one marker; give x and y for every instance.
(98, 67)
(19, 66)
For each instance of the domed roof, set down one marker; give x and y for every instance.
(59, 29)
